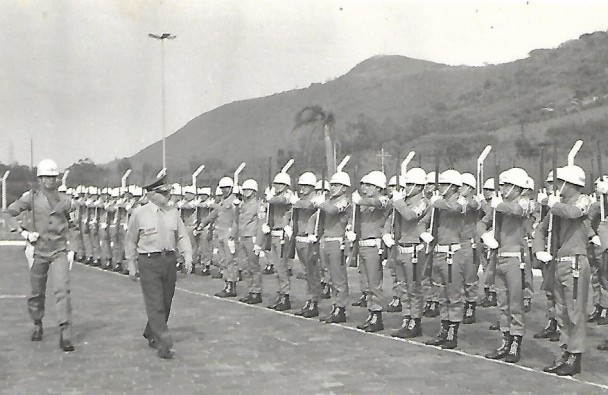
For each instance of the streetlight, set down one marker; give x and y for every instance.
(162, 38)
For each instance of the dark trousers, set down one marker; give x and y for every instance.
(157, 276)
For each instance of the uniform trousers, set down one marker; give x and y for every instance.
(281, 266)
(409, 272)
(370, 260)
(59, 268)
(332, 253)
(471, 267)
(451, 296)
(309, 256)
(252, 272)
(227, 259)
(509, 294)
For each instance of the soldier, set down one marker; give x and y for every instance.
(572, 274)
(248, 233)
(323, 190)
(528, 194)
(86, 202)
(363, 282)
(116, 244)
(205, 248)
(47, 231)
(106, 215)
(335, 209)
(448, 260)
(303, 225)
(599, 284)
(188, 208)
(505, 231)
(489, 299)
(431, 282)
(412, 205)
(601, 187)
(394, 306)
(369, 238)
(279, 197)
(94, 214)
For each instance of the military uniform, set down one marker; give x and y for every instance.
(248, 234)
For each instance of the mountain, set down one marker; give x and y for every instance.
(390, 100)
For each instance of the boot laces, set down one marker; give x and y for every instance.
(412, 324)
(450, 333)
(513, 349)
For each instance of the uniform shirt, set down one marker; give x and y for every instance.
(51, 222)
(513, 229)
(189, 212)
(154, 229)
(306, 210)
(222, 215)
(451, 219)
(471, 217)
(411, 211)
(249, 218)
(336, 216)
(280, 208)
(574, 227)
(373, 217)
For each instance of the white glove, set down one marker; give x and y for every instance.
(426, 237)
(388, 240)
(257, 249)
(104, 225)
(231, 246)
(351, 236)
(269, 193)
(288, 231)
(602, 186)
(397, 195)
(237, 202)
(125, 226)
(489, 240)
(31, 237)
(543, 256)
(596, 241)
(312, 238)
(542, 196)
(435, 197)
(293, 199)
(496, 200)
(265, 229)
(29, 254)
(553, 199)
(356, 197)
(479, 198)
(253, 239)
(70, 258)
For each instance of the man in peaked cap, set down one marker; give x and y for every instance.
(156, 235)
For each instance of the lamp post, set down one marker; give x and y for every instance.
(162, 37)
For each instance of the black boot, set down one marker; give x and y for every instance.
(427, 306)
(603, 346)
(603, 318)
(285, 304)
(400, 333)
(572, 365)
(367, 321)
(206, 271)
(376, 324)
(486, 295)
(303, 309)
(256, 298)
(338, 316)
(433, 310)
(503, 350)
(441, 336)
(246, 298)
(326, 293)
(276, 303)
(595, 314)
(527, 305)
(491, 302)
(228, 291)
(469, 313)
(65, 342)
(495, 326)
(332, 312)
(269, 269)
(514, 349)
(412, 329)
(451, 340)
(548, 330)
(394, 306)
(37, 332)
(313, 310)
(361, 302)
(556, 364)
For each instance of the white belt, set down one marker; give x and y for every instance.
(570, 259)
(409, 249)
(510, 255)
(278, 233)
(447, 247)
(339, 238)
(302, 239)
(369, 243)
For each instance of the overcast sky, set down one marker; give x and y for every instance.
(82, 78)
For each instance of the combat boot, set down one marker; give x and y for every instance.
(361, 302)
(572, 365)
(326, 293)
(394, 306)
(491, 301)
(327, 317)
(228, 291)
(486, 295)
(205, 271)
(276, 303)
(603, 346)
(433, 310)
(469, 313)
(603, 318)
(503, 350)
(413, 329)
(556, 364)
(365, 324)
(65, 342)
(313, 310)
(427, 306)
(246, 298)
(96, 263)
(595, 314)
(451, 340)
(255, 298)
(514, 349)
(495, 326)
(338, 316)
(269, 269)
(37, 332)
(376, 324)
(548, 330)
(303, 309)
(441, 336)
(400, 333)
(527, 305)
(284, 304)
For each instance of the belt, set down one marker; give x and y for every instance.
(510, 255)
(338, 238)
(277, 232)
(409, 249)
(302, 239)
(157, 254)
(570, 259)
(447, 247)
(369, 243)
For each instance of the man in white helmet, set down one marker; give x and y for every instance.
(47, 230)
(394, 306)
(205, 252)
(322, 189)
(599, 282)
(572, 273)
(248, 234)
(188, 211)
(356, 212)
(600, 247)
(506, 237)
(106, 215)
(430, 279)
(335, 209)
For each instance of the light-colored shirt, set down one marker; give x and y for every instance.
(155, 229)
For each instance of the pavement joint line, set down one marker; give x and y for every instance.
(353, 329)
(13, 296)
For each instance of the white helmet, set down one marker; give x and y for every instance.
(250, 184)
(364, 179)
(189, 189)
(572, 174)
(430, 177)
(375, 178)
(62, 188)
(469, 179)
(318, 186)
(393, 181)
(515, 176)
(307, 178)
(529, 183)
(204, 191)
(489, 184)
(340, 178)
(416, 176)
(282, 178)
(115, 192)
(93, 190)
(450, 176)
(176, 189)
(218, 190)
(549, 177)
(226, 182)
(137, 191)
(47, 167)
(105, 191)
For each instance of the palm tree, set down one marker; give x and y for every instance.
(315, 115)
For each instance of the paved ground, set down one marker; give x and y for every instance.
(224, 347)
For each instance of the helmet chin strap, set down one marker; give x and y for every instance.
(508, 194)
(409, 193)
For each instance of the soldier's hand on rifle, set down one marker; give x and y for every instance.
(356, 197)
(288, 231)
(265, 229)
(489, 240)
(543, 256)
(318, 200)
(479, 198)
(351, 236)
(269, 193)
(553, 198)
(595, 240)
(427, 237)
(237, 202)
(312, 238)
(542, 196)
(397, 196)
(602, 186)
(496, 200)
(31, 237)
(257, 249)
(388, 240)
(293, 199)
(435, 197)
(231, 246)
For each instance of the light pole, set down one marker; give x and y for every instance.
(162, 38)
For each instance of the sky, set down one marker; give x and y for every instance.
(82, 79)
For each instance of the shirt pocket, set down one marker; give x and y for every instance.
(148, 234)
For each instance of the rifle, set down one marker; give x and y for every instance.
(286, 244)
(434, 225)
(237, 208)
(479, 190)
(267, 244)
(33, 184)
(401, 170)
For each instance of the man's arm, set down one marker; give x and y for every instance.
(131, 240)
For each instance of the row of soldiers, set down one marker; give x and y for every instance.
(432, 231)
